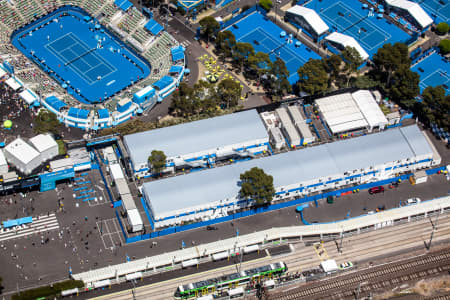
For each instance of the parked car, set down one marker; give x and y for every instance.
(346, 265)
(209, 227)
(413, 201)
(376, 190)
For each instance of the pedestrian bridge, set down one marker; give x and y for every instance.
(159, 263)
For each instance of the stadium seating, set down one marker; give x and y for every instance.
(10, 17)
(130, 20)
(141, 35)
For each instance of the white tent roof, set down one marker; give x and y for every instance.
(369, 108)
(329, 265)
(311, 17)
(43, 142)
(2, 72)
(414, 9)
(12, 83)
(345, 112)
(345, 41)
(22, 151)
(116, 171)
(28, 96)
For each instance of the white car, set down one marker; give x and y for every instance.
(413, 201)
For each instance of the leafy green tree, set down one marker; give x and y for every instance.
(241, 52)
(388, 59)
(229, 92)
(257, 185)
(266, 4)
(209, 26)
(225, 42)
(405, 86)
(444, 46)
(277, 82)
(157, 160)
(259, 63)
(352, 60)
(333, 65)
(313, 77)
(442, 28)
(435, 106)
(47, 121)
(183, 101)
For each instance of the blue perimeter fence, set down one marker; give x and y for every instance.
(259, 210)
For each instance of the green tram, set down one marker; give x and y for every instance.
(229, 281)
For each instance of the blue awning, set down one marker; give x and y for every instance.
(103, 113)
(187, 71)
(154, 27)
(55, 103)
(87, 18)
(123, 4)
(78, 113)
(177, 53)
(163, 82)
(175, 69)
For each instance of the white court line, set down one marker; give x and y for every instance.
(79, 72)
(101, 234)
(52, 42)
(372, 25)
(119, 232)
(279, 44)
(431, 74)
(109, 232)
(434, 10)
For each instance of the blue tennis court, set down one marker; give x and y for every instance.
(439, 10)
(352, 19)
(264, 36)
(85, 58)
(434, 70)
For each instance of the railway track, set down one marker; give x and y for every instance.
(372, 279)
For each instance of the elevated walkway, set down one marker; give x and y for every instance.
(348, 227)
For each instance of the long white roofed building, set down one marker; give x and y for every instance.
(213, 193)
(199, 143)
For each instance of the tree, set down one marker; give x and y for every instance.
(388, 59)
(183, 102)
(259, 63)
(225, 42)
(229, 92)
(444, 46)
(209, 26)
(241, 52)
(277, 82)
(257, 185)
(352, 60)
(157, 160)
(405, 86)
(45, 122)
(333, 66)
(442, 28)
(435, 106)
(266, 4)
(313, 77)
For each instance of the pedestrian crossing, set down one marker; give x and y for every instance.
(185, 43)
(40, 224)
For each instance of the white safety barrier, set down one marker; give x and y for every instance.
(261, 237)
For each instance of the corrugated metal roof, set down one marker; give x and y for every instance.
(201, 188)
(196, 136)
